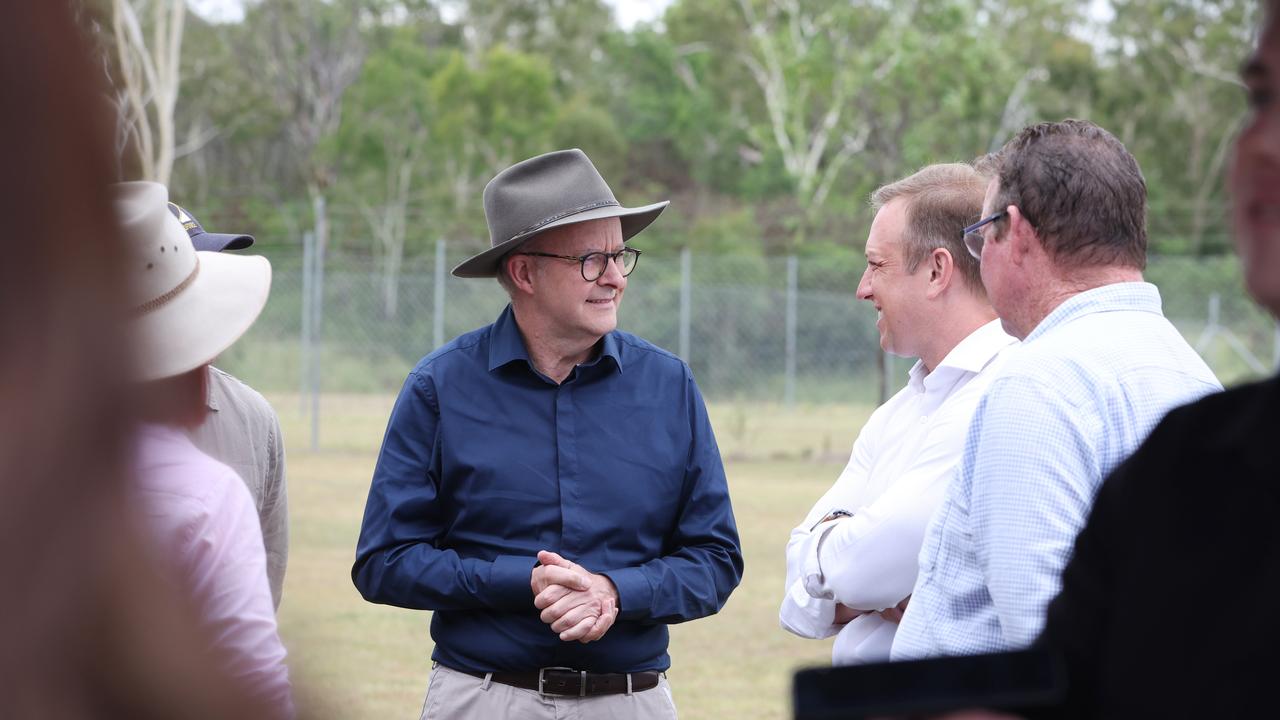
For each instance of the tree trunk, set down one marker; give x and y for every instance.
(149, 83)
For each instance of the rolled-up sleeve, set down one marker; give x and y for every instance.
(805, 615)
(704, 562)
(869, 561)
(399, 557)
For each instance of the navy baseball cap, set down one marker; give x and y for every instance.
(211, 242)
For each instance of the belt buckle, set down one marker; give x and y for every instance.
(542, 679)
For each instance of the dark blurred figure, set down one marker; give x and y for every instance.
(1168, 608)
(89, 630)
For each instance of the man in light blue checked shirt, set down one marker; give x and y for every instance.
(1062, 245)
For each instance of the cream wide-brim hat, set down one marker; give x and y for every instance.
(187, 306)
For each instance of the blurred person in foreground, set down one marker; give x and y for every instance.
(853, 560)
(242, 431)
(1190, 520)
(186, 308)
(1062, 245)
(549, 485)
(90, 628)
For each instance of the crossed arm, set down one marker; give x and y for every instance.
(868, 561)
(839, 568)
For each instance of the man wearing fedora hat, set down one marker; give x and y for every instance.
(188, 307)
(549, 485)
(241, 429)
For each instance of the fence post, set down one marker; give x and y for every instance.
(437, 324)
(304, 376)
(317, 332)
(686, 300)
(789, 387)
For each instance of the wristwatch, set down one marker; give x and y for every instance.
(833, 515)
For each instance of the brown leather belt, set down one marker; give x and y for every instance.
(573, 683)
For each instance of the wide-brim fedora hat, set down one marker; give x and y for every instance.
(187, 306)
(544, 192)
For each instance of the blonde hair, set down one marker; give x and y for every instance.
(941, 201)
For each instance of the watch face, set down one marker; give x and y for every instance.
(833, 515)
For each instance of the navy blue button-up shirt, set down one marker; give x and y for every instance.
(486, 461)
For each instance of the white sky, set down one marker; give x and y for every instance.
(628, 12)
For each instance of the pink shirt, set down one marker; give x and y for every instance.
(204, 521)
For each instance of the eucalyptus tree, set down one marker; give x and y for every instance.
(308, 53)
(383, 142)
(1178, 102)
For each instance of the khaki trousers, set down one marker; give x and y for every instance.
(452, 695)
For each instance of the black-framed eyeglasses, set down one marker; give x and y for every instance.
(594, 264)
(973, 239)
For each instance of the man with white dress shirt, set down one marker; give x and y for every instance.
(1062, 245)
(853, 560)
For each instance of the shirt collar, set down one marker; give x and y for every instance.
(609, 348)
(971, 355)
(210, 400)
(916, 376)
(975, 352)
(1114, 297)
(506, 345)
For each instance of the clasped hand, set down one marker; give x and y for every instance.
(576, 603)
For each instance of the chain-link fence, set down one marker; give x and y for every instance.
(754, 329)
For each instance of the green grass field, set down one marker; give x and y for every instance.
(351, 659)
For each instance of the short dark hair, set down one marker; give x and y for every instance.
(988, 165)
(1081, 190)
(941, 201)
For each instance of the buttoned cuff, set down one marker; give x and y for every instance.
(811, 564)
(509, 580)
(635, 594)
(807, 616)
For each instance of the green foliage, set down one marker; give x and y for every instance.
(767, 123)
(583, 124)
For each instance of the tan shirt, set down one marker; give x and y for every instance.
(242, 431)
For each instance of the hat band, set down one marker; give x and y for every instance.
(164, 299)
(565, 214)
